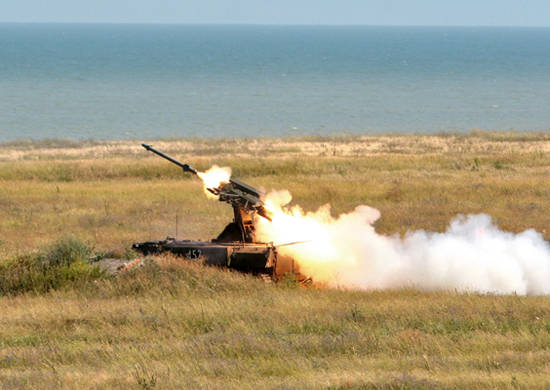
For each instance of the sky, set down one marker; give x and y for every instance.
(364, 12)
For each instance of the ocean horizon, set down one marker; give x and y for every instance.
(147, 81)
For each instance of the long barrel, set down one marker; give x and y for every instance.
(238, 194)
(186, 167)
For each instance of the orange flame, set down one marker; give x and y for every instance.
(318, 236)
(214, 178)
(290, 225)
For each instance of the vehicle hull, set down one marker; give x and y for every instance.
(256, 258)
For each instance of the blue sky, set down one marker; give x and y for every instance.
(370, 12)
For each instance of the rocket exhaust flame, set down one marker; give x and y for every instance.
(214, 178)
(473, 255)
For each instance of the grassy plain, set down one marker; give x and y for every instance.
(185, 326)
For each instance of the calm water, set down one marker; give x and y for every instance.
(146, 81)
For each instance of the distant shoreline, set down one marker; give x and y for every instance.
(56, 143)
(68, 142)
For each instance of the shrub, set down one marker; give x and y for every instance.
(66, 252)
(66, 263)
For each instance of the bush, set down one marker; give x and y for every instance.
(66, 252)
(66, 263)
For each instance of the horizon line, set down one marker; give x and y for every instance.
(276, 24)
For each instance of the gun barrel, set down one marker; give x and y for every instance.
(239, 194)
(186, 167)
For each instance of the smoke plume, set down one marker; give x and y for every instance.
(472, 255)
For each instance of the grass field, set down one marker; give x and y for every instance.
(178, 325)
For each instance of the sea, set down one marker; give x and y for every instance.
(132, 81)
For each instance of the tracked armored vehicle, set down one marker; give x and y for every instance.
(236, 246)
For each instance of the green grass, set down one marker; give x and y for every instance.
(173, 324)
(180, 325)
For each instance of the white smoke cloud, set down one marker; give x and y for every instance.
(472, 255)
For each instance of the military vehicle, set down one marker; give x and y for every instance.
(236, 246)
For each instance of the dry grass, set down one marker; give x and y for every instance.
(311, 146)
(113, 201)
(186, 326)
